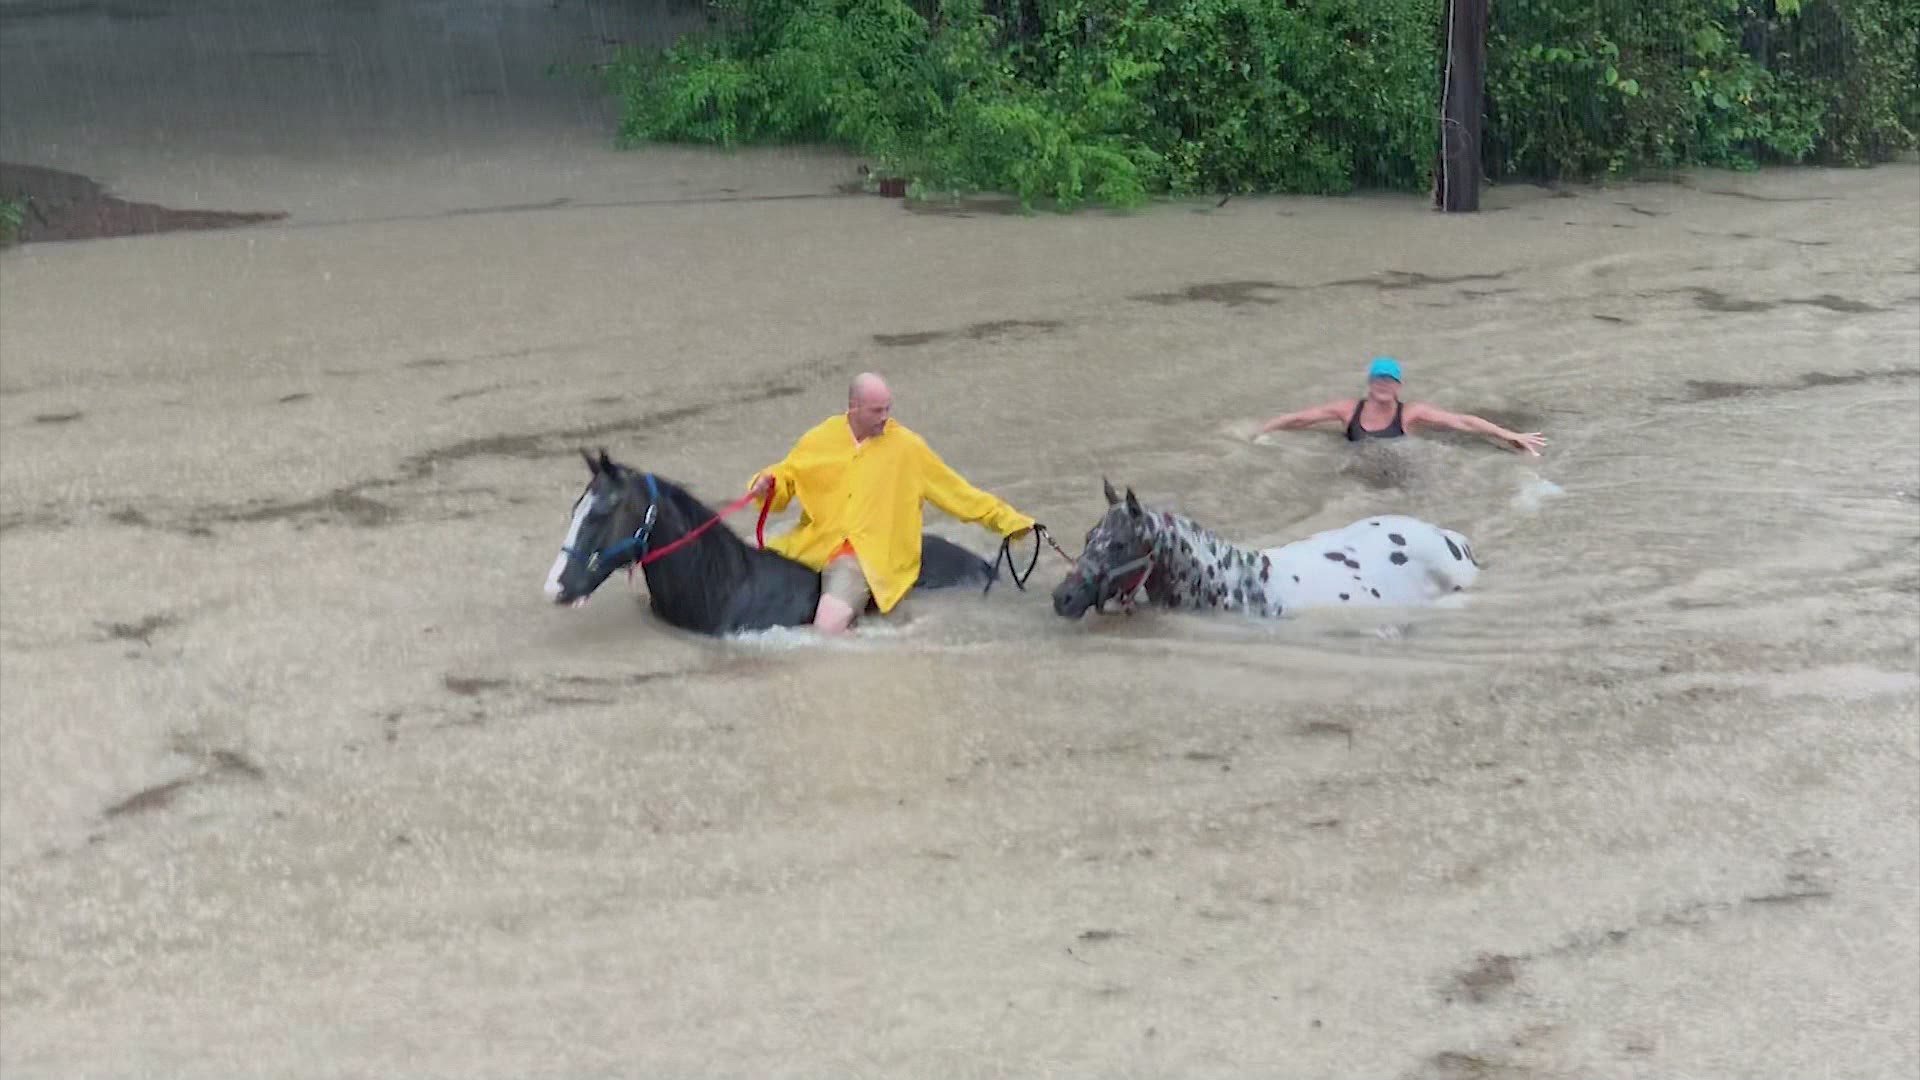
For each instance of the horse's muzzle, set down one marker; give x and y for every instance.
(568, 597)
(1072, 598)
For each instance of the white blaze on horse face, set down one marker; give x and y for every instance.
(573, 537)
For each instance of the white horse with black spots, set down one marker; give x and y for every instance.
(1384, 561)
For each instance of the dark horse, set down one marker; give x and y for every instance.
(717, 583)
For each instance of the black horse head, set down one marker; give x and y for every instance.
(613, 521)
(1115, 561)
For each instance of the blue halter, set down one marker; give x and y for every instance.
(633, 547)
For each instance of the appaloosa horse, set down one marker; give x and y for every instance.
(1382, 561)
(700, 577)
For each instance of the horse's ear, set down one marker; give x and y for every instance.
(606, 464)
(1133, 504)
(1112, 495)
(592, 465)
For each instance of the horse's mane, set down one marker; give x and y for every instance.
(717, 544)
(718, 555)
(1167, 521)
(700, 585)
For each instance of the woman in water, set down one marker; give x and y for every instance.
(1382, 415)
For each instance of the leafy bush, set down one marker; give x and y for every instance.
(1594, 87)
(1110, 100)
(1117, 100)
(1860, 60)
(13, 214)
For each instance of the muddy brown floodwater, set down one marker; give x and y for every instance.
(300, 775)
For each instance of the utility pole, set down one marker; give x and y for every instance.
(1463, 70)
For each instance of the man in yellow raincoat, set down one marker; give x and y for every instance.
(860, 478)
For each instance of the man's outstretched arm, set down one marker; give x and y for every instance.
(950, 491)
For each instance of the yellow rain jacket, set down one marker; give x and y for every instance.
(868, 496)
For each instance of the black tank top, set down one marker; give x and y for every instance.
(1392, 431)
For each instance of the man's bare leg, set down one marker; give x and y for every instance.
(843, 594)
(832, 616)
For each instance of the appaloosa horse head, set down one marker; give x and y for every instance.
(1115, 560)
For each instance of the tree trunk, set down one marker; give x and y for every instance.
(1463, 69)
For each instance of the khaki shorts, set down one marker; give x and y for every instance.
(846, 582)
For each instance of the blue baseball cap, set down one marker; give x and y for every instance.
(1384, 367)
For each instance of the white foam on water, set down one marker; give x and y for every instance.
(777, 638)
(1534, 491)
(865, 634)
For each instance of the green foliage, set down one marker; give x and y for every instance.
(1256, 95)
(1114, 101)
(13, 214)
(1860, 60)
(1104, 100)
(1594, 87)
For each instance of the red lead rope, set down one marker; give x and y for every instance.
(759, 531)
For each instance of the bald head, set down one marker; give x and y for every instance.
(869, 404)
(866, 385)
